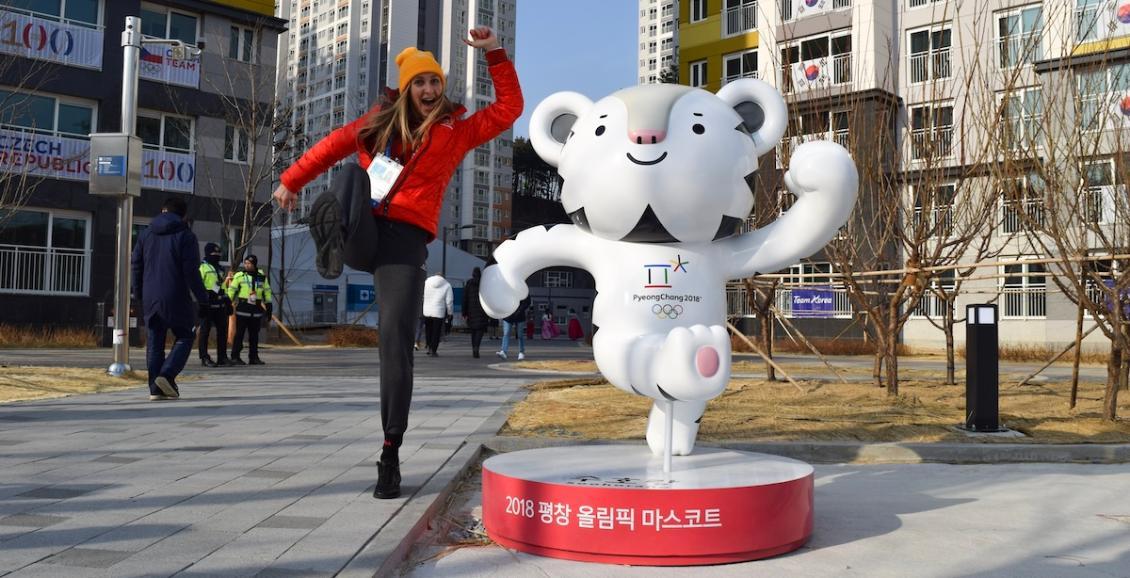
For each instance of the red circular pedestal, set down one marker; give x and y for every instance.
(614, 504)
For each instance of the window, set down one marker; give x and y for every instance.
(1097, 200)
(1024, 288)
(809, 274)
(164, 132)
(45, 252)
(236, 144)
(933, 210)
(932, 304)
(698, 10)
(1088, 21)
(162, 22)
(1023, 114)
(559, 279)
(917, 3)
(1022, 203)
(46, 114)
(1097, 92)
(806, 64)
(739, 65)
(930, 54)
(931, 131)
(698, 74)
(739, 17)
(81, 12)
(1018, 36)
(241, 44)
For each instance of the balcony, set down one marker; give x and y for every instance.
(934, 64)
(729, 79)
(841, 68)
(739, 20)
(1023, 302)
(44, 271)
(1023, 215)
(927, 144)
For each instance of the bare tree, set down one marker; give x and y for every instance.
(21, 78)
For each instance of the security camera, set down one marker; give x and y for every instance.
(200, 43)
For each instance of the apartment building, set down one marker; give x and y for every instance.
(659, 40)
(60, 80)
(949, 105)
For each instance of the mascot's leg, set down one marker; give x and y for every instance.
(688, 414)
(693, 364)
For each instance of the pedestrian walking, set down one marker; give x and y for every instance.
(439, 303)
(218, 309)
(473, 314)
(549, 328)
(250, 290)
(165, 280)
(411, 141)
(517, 321)
(573, 328)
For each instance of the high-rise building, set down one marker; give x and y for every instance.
(659, 41)
(338, 56)
(62, 80)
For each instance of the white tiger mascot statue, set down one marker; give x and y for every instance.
(657, 180)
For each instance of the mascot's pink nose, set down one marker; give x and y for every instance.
(647, 136)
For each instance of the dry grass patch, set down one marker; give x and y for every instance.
(30, 382)
(352, 336)
(24, 337)
(759, 411)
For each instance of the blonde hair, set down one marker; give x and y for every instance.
(395, 120)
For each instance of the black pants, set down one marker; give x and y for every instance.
(399, 280)
(250, 325)
(433, 330)
(476, 340)
(217, 318)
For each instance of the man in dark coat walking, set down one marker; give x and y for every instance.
(473, 313)
(165, 279)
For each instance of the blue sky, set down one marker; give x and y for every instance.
(587, 46)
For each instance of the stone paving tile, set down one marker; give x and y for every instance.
(88, 558)
(31, 520)
(133, 537)
(293, 522)
(55, 493)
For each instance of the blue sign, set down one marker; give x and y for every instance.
(1125, 298)
(111, 166)
(813, 303)
(359, 297)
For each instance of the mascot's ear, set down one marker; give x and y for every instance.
(762, 109)
(553, 120)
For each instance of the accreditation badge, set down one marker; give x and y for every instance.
(383, 173)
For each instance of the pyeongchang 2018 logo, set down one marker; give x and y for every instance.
(659, 274)
(662, 276)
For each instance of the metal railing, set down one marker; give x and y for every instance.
(749, 74)
(932, 64)
(928, 143)
(44, 270)
(1028, 214)
(841, 68)
(1024, 302)
(739, 19)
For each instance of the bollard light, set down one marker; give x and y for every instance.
(982, 411)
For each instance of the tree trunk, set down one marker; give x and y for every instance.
(877, 370)
(1113, 371)
(767, 343)
(1078, 354)
(947, 328)
(892, 352)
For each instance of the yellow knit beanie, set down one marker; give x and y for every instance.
(412, 62)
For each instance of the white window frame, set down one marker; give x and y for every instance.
(1097, 203)
(163, 116)
(697, 10)
(936, 210)
(29, 259)
(1033, 204)
(936, 132)
(54, 130)
(241, 44)
(740, 57)
(698, 70)
(62, 17)
(1027, 44)
(741, 18)
(836, 61)
(1100, 88)
(168, 11)
(920, 3)
(1087, 31)
(558, 279)
(1026, 119)
(936, 61)
(930, 305)
(1026, 299)
(245, 141)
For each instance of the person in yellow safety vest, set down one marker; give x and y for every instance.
(215, 312)
(251, 293)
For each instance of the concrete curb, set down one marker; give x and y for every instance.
(881, 453)
(387, 550)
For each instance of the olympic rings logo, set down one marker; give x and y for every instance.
(667, 311)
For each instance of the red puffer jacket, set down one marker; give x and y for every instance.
(419, 193)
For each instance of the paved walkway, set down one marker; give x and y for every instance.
(255, 472)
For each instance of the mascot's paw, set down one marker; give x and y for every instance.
(818, 166)
(498, 297)
(694, 363)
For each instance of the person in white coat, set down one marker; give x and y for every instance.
(439, 302)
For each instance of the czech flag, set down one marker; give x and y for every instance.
(150, 57)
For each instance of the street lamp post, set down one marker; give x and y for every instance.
(443, 267)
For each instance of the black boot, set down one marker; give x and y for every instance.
(388, 480)
(206, 361)
(235, 360)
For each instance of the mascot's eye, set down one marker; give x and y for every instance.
(698, 129)
(600, 130)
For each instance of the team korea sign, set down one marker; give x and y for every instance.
(43, 39)
(60, 157)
